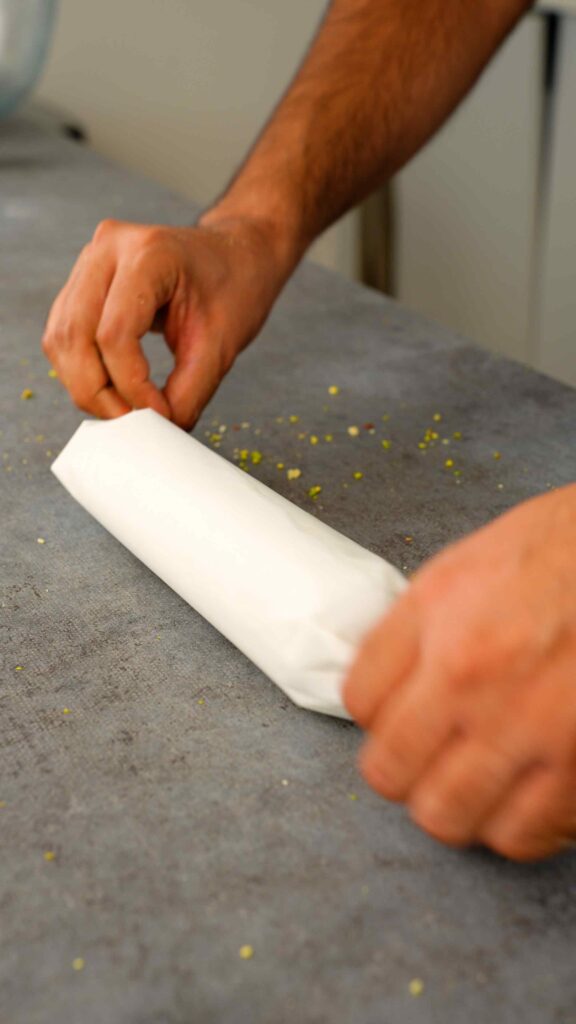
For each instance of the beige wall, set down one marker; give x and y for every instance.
(467, 203)
(179, 89)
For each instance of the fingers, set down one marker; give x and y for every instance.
(106, 403)
(463, 786)
(69, 337)
(537, 819)
(135, 278)
(109, 302)
(387, 657)
(475, 778)
(129, 310)
(194, 379)
(408, 732)
(84, 375)
(469, 700)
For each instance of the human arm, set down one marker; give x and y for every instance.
(379, 78)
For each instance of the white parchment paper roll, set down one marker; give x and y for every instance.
(291, 593)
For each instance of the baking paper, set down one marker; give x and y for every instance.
(290, 592)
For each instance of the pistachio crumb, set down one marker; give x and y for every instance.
(416, 987)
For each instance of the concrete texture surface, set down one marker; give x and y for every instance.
(189, 807)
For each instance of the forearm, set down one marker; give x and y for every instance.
(380, 77)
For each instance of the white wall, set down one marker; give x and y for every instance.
(467, 206)
(179, 90)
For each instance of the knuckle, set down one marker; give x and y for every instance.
(461, 662)
(107, 337)
(86, 253)
(82, 404)
(105, 229)
(376, 773)
(516, 838)
(152, 237)
(495, 764)
(60, 332)
(64, 335)
(483, 650)
(511, 847)
(143, 265)
(443, 810)
(81, 396)
(399, 745)
(142, 262)
(438, 820)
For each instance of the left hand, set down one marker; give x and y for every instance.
(467, 689)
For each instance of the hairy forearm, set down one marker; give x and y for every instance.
(380, 77)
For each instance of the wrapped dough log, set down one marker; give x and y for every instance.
(293, 594)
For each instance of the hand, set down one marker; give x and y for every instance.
(208, 288)
(467, 689)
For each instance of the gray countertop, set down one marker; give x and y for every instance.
(190, 808)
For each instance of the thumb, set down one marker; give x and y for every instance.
(386, 659)
(193, 381)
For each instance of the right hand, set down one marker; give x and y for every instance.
(208, 289)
